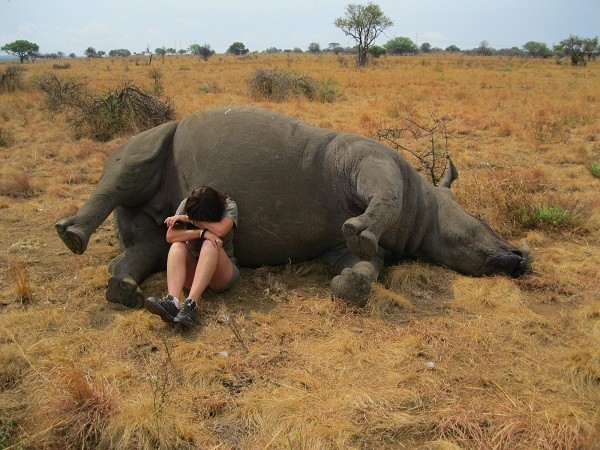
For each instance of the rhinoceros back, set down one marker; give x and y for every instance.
(273, 167)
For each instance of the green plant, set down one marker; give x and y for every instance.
(7, 431)
(548, 216)
(595, 170)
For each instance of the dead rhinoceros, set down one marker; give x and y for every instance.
(303, 193)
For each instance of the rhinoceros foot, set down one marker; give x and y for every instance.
(361, 242)
(352, 286)
(124, 290)
(73, 237)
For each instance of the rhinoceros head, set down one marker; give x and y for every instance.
(465, 243)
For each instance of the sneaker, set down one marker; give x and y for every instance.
(165, 308)
(186, 314)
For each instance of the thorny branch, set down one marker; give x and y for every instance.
(430, 143)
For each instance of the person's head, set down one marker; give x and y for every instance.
(205, 204)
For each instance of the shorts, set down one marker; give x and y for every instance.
(235, 275)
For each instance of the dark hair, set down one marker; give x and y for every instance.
(205, 204)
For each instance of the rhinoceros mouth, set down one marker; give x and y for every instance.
(513, 264)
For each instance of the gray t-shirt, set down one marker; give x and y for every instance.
(231, 211)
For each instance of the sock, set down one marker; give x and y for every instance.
(176, 301)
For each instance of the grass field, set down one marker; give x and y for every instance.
(435, 361)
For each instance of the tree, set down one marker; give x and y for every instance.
(364, 24)
(591, 47)
(484, 49)
(119, 52)
(537, 49)
(426, 47)
(573, 47)
(90, 52)
(237, 48)
(162, 51)
(452, 49)
(401, 46)
(334, 47)
(314, 47)
(203, 51)
(22, 48)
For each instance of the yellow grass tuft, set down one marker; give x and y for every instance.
(18, 273)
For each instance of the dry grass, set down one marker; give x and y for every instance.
(435, 361)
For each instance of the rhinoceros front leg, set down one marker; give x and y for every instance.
(379, 186)
(355, 276)
(145, 252)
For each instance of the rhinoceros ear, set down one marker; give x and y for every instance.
(450, 174)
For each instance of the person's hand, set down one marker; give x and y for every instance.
(170, 221)
(213, 238)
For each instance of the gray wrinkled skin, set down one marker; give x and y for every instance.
(303, 193)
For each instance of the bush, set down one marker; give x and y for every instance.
(595, 170)
(62, 93)
(277, 86)
(128, 109)
(11, 79)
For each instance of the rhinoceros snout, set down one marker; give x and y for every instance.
(521, 263)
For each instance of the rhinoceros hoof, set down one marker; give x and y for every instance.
(352, 287)
(74, 238)
(124, 291)
(362, 243)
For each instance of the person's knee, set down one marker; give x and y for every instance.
(178, 250)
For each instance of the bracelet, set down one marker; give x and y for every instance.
(202, 230)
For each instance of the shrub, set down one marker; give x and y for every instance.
(11, 79)
(62, 93)
(15, 184)
(127, 109)
(277, 86)
(424, 143)
(595, 170)
(61, 66)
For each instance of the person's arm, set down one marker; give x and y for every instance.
(177, 233)
(220, 228)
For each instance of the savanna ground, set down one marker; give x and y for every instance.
(436, 360)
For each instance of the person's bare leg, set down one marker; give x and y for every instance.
(179, 264)
(205, 270)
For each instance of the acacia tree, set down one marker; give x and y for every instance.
(537, 49)
(364, 24)
(22, 48)
(573, 47)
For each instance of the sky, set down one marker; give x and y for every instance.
(72, 26)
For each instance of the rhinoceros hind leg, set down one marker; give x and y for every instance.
(124, 290)
(353, 287)
(361, 242)
(73, 237)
